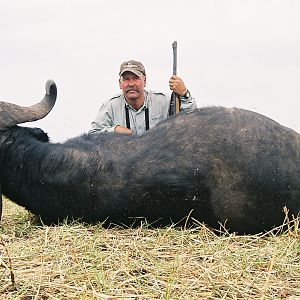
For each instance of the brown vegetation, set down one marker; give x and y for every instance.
(80, 261)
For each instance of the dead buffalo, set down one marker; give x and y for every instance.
(217, 165)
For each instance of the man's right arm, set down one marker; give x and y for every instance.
(109, 118)
(103, 121)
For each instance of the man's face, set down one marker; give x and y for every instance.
(132, 85)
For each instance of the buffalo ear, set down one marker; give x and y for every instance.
(12, 114)
(38, 134)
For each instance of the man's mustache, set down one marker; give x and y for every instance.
(131, 90)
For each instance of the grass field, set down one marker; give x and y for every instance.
(79, 261)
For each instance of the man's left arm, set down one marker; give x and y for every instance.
(187, 104)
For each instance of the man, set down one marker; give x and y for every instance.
(136, 110)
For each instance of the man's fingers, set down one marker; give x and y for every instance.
(124, 130)
(177, 85)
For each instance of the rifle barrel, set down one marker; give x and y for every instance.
(174, 45)
(172, 110)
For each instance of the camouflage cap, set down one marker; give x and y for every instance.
(133, 66)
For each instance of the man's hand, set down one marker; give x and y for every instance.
(177, 85)
(124, 130)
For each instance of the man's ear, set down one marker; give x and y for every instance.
(144, 81)
(120, 83)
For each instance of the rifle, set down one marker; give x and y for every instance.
(175, 102)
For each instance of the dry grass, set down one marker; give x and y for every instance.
(77, 261)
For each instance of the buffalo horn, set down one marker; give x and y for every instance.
(12, 114)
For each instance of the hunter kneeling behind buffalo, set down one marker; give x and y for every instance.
(136, 110)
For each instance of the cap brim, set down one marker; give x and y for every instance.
(136, 72)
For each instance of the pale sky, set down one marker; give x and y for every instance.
(232, 53)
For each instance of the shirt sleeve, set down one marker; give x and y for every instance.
(103, 121)
(188, 105)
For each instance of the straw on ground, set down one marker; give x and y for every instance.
(80, 261)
